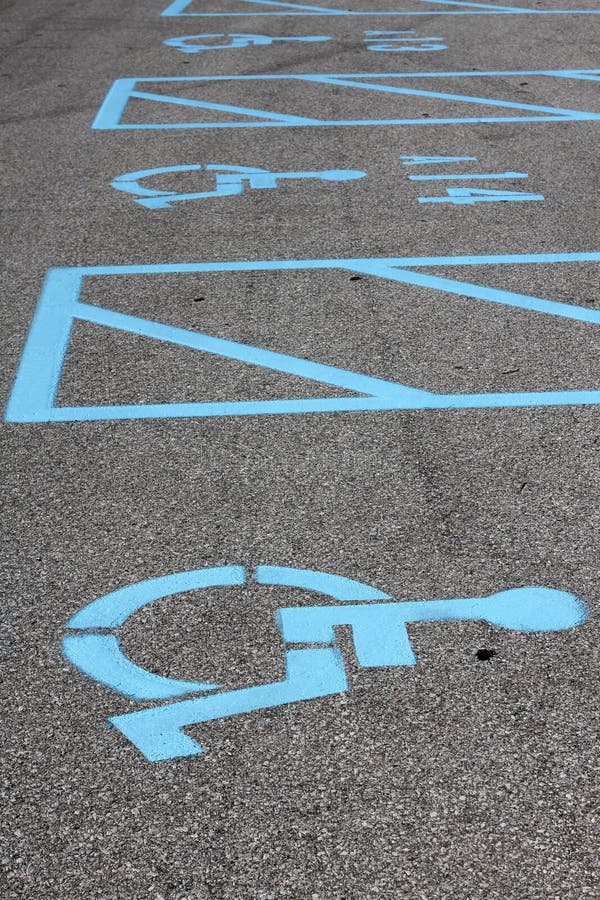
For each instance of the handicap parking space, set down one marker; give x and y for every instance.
(300, 438)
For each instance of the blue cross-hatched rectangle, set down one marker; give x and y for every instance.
(247, 8)
(206, 101)
(33, 398)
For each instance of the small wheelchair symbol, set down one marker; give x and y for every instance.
(187, 43)
(378, 627)
(229, 182)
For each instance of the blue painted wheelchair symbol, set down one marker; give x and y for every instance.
(186, 43)
(379, 633)
(230, 180)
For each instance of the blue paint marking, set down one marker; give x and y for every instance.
(391, 40)
(33, 397)
(470, 177)
(112, 610)
(434, 160)
(187, 43)
(115, 105)
(369, 35)
(336, 586)
(420, 46)
(182, 8)
(230, 181)
(100, 657)
(157, 733)
(469, 196)
(378, 628)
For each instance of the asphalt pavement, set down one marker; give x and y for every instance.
(300, 448)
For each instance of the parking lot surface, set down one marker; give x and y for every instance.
(300, 447)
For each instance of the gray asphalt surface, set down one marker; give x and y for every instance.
(456, 778)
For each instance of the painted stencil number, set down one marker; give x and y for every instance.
(464, 196)
(470, 196)
(396, 42)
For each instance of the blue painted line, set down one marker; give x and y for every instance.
(363, 75)
(279, 362)
(480, 292)
(116, 100)
(240, 408)
(290, 407)
(477, 176)
(400, 13)
(99, 656)
(51, 327)
(36, 384)
(468, 196)
(434, 160)
(500, 259)
(299, 6)
(440, 95)
(111, 112)
(492, 6)
(577, 75)
(344, 263)
(33, 398)
(180, 7)
(388, 34)
(343, 123)
(226, 107)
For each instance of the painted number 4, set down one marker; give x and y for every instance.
(397, 42)
(466, 195)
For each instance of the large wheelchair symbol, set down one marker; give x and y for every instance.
(378, 627)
